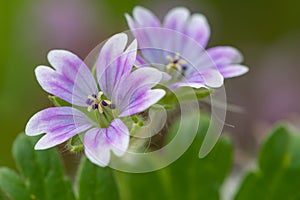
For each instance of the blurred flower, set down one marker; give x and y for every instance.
(179, 45)
(122, 94)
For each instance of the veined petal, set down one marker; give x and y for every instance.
(209, 77)
(187, 84)
(145, 17)
(212, 77)
(118, 135)
(113, 63)
(59, 124)
(230, 71)
(131, 23)
(224, 55)
(176, 19)
(99, 142)
(198, 29)
(69, 71)
(54, 83)
(143, 101)
(140, 62)
(134, 85)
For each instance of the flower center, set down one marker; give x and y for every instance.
(176, 63)
(96, 102)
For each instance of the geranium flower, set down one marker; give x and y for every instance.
(98, 113)
(178, 44)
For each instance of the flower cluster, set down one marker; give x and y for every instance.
(125, 82)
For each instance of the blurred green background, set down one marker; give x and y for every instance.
(267, 32)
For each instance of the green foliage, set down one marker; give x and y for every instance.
(12, 184)
(42, 177)
(58, 101)
(41, 172)
(95, 182)
(182, 94)
(277, 176)
(187, 178)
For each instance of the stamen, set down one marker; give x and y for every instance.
(176, 63)
(96, 102)
(112, 106)
(99, 95)
(90, 108)
(104, 103)
(89, 101)
(100, 109)
(95, 106)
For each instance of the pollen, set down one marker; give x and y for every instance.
(175, 62)
(97, 102)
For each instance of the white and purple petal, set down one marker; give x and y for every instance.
(114, 63)
(212, 77)
(59, 125)
(134, 87)
(69, 70)
(208, 77)
(141, 101)
(225, 55)
(131, 23)
(234, 70)
(176, 19)
(140, 62)
(145, 18)
(198, 29)
(227, 60)
(99, 142)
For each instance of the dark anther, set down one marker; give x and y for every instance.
(112, 106)
(95, 96)
(175, 61)
(95, 106)
(184, 67)
(104, 103)
(89, 101)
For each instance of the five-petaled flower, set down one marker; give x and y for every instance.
(99, 108)
(177, 46)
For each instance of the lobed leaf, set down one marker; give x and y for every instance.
(279, 169)
(188, 177)
(12, 185)
(41, 172)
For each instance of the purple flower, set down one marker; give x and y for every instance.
(96, 117)
(178, 44)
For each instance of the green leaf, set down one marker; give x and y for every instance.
(42, 171)
(146, 186)
(279, 169)
(273, 154)
(182, 94)
(188, 177)
(12, 185)
(95, 182)
(195, 178)
(189, 94)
